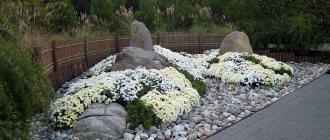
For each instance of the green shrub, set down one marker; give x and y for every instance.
(214, 60)
(147, 14)
(184, 14)
(217, 7)
(196, 83)
(62, 16)
(239, 10)
(24, 89)
(138, 113)
(103, 12)
(252, 59)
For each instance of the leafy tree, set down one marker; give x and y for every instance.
(238, 10)
(118, 3)
(147, 14)
(217, 7)
(62, 16)
(104, 12)
(184, 14)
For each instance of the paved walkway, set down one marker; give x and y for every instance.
(301, 115)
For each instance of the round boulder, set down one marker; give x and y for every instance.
(236, 42)
(133, 57)
(102, 122)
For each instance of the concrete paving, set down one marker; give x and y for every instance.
(301, 115)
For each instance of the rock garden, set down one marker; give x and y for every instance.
(150, 92)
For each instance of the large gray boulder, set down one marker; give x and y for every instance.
(236, 42)
(100, 121)
(140, 36)
(133, 57)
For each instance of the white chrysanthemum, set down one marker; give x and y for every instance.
(233, 68)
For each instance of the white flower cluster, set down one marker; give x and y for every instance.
(169, 106)
(196, 65)
(64, 111)
(130, 82)
(123, 85)
(103, 66)
(233, 68)
(272, 63)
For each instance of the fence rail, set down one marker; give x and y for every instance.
(63, 62)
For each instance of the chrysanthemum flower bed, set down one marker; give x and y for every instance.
(166, 91)
(249, 69)
(162, 95)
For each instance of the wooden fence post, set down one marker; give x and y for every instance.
(117, 43)
(199, 43)
(86, 53)
(158, 38)
(37, 54)
(54, 56)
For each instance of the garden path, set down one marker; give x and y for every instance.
(303, 114)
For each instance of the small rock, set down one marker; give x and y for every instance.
(215, 127)
(151, 138)
(75, 138)
(196, 119)
(190, 131)
(167, 134)
(57, 133)
(144, 136)
(70, 137)
(182, 138)
(208, 126)
(192, 136)
(161, 138)
(153, 135)
(184, 116)
(231, 119)
(137, 137)
(209, 132)
(183, 133)
(152, 130)
(51, 136)
(192, 125)
(128, 136)
(178, 128)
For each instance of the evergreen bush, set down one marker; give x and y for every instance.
(24, 89)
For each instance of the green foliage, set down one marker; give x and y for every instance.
(23, 89)
(301, 31)
(103, 12)
(147, 14)
(238, 10)
(118, 3)
(252, 59)
(214, 60)
(282, 71)
(196, 83)
(62, 16)
(184, 14)
(296, 24)
(217, 7)
(138, 113)
(257, 61)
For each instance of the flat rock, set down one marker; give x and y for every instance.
(133, 57)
